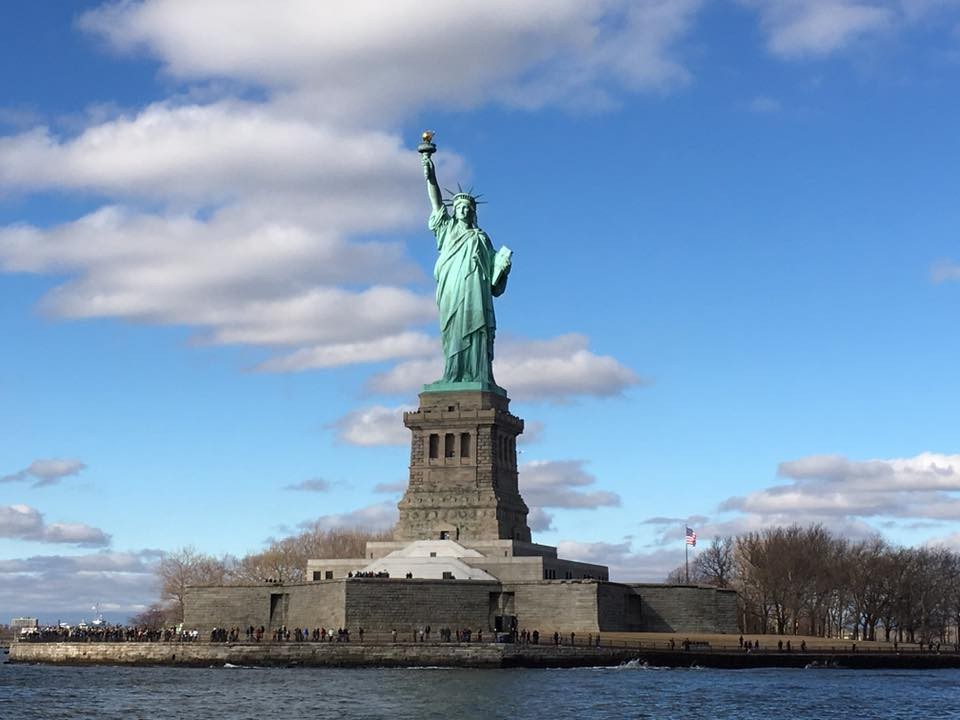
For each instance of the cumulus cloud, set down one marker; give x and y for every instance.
(388, 347)
(46, 472)
(22, 522)
(209, 153)
(312, 485)
(560, 483)
(798, 28)
(240, 217)
(841, 492)
(557, 369)
(532, 433)
(539, 520)
(66, 587)
(376, 425)
(625, 564)
(350, 61)
(817, 28)
(379, 516)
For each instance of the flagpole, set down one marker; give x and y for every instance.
(686, 556)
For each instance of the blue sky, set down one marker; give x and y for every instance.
(735, 280)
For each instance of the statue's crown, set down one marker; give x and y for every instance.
(464, 196)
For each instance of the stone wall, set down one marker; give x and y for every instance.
(688, 608)
(619, 608)
(475, 655)
(381, 605)
(555, 606)
(319, 604)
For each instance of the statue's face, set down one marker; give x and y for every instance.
(463, 212)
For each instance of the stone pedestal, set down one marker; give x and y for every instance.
(463, 470)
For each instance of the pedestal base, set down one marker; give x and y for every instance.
(463, 467)
(442, 386)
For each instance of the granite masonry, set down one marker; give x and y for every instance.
(462, 555)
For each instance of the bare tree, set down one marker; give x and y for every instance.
(185, 567)
(285, 560)
(715, 564)
(153, 618)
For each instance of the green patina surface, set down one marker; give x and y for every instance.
(469, 274)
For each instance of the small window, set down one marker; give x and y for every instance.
(448, 575)
(568, 575)
(434, 446)
(449, 441)
(444, 534)
(464, 445)
(317, 575)
(433, 554)
(328, 575)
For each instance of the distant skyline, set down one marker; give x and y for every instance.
(735, 282)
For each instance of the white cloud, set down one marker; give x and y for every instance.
(559, 368)
(625, 564)
(945, 271)
(379, 516)
(236, 216)
(406, 377)
(377, 425)
(66, 587)
(22, 522)
(926, 471)
(388, 347)
(556, 369)
(690, 520)
(532, 433)
(217, 153)
(539, 520)
(46, 472)
(369, 59)
(391, 488)
(842, 492)
(798, 28)
(560, 484)
(243, 279)
(312, 485)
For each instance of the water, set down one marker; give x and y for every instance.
(109, 693)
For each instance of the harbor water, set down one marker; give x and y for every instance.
(35, 692)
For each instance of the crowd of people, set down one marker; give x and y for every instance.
(421, 634)
(361, 574)
(108, 633)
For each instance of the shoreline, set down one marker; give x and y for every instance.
(456, 655)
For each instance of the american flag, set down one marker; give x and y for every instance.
(691, 537)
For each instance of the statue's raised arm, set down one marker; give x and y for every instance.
(433, 189)
(427, 148)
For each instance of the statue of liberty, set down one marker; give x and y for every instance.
(469, 275)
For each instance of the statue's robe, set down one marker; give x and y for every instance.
(467, 281)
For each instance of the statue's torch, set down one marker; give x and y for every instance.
(427, 147)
